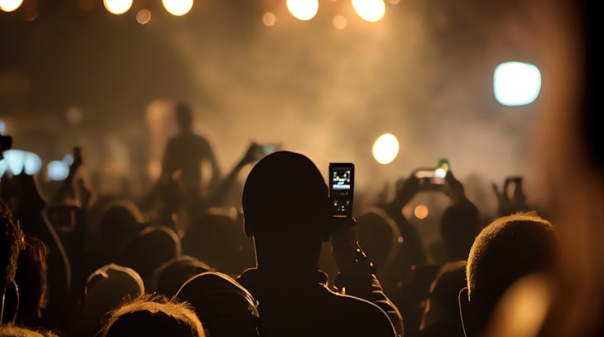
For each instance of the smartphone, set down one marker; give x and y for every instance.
(270, 148)
(341, 188)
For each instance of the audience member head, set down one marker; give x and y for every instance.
(459, 225)
(379, 236)
(153, 317)
(12, 242)
(120, 221)
(16, 331)
(106, 288)
(184, 116)
(506, 250)
(31, 278)
(171, 275)
(152, 247)
(286, 209)
(217, 239)
(224, 307)
(443, 304)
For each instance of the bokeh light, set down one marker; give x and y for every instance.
(10, 5)
(57, 170)
(421, 212)
(385, 148)
(339, 22)
(17, 161)
(516, 83)
(117, 7)
(369, 10)
(269, 19)
(143, 16)
(303, 9)
(177, 7)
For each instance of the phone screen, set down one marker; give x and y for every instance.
(341, 188)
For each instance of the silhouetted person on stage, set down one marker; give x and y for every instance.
(183, 158)
(288, 213)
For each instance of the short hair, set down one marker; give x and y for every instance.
(284, 191)
(11, 244)
(171, 275)
(224, 307)
(509, 248)
(153, 316)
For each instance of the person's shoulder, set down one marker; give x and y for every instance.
(362, 315)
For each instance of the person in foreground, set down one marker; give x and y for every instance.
(287, 212)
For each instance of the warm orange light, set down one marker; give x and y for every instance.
(421, 212)
(269, 19)
(303, 9)
(10, 5)
(369, 10)
(339, 22)
(178, 7)
(143, 16)
(117, 7)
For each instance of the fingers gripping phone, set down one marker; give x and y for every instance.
(341, 189)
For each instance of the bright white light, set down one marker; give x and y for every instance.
(303, 9)
(117, 7)
(369, 10)
(177, 7)
(440, 173)
(57, 170)
(17, 161)
(385, 148)
(516, 83)
(10, 5)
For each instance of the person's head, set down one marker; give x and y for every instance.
(224, 307)
(106, 288)
(171, 275)
(286, 208)
(120, 221)
(442, 304)
(31, 278)
(17, 331)
(184, 116)
(12, 242)
(153, 246)
(379, 236)
(459, 225)
(509, 248)
(153, 317)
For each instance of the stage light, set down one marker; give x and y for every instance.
(339, 22)
(369, 10)
(177, 7)
(143, 16)
(10, 5)
(57, 170)
(303, 9)
(17, 161)
(516, 83)
(117, 7)
(421, 212)
(269, 19)
(385, 148)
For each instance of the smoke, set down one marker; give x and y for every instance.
(330, 93)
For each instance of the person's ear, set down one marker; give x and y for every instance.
(464, 310)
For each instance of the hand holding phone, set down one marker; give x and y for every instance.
(341, 189)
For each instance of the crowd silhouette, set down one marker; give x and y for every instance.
(245, 260)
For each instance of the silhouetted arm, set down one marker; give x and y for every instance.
(357, 275)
